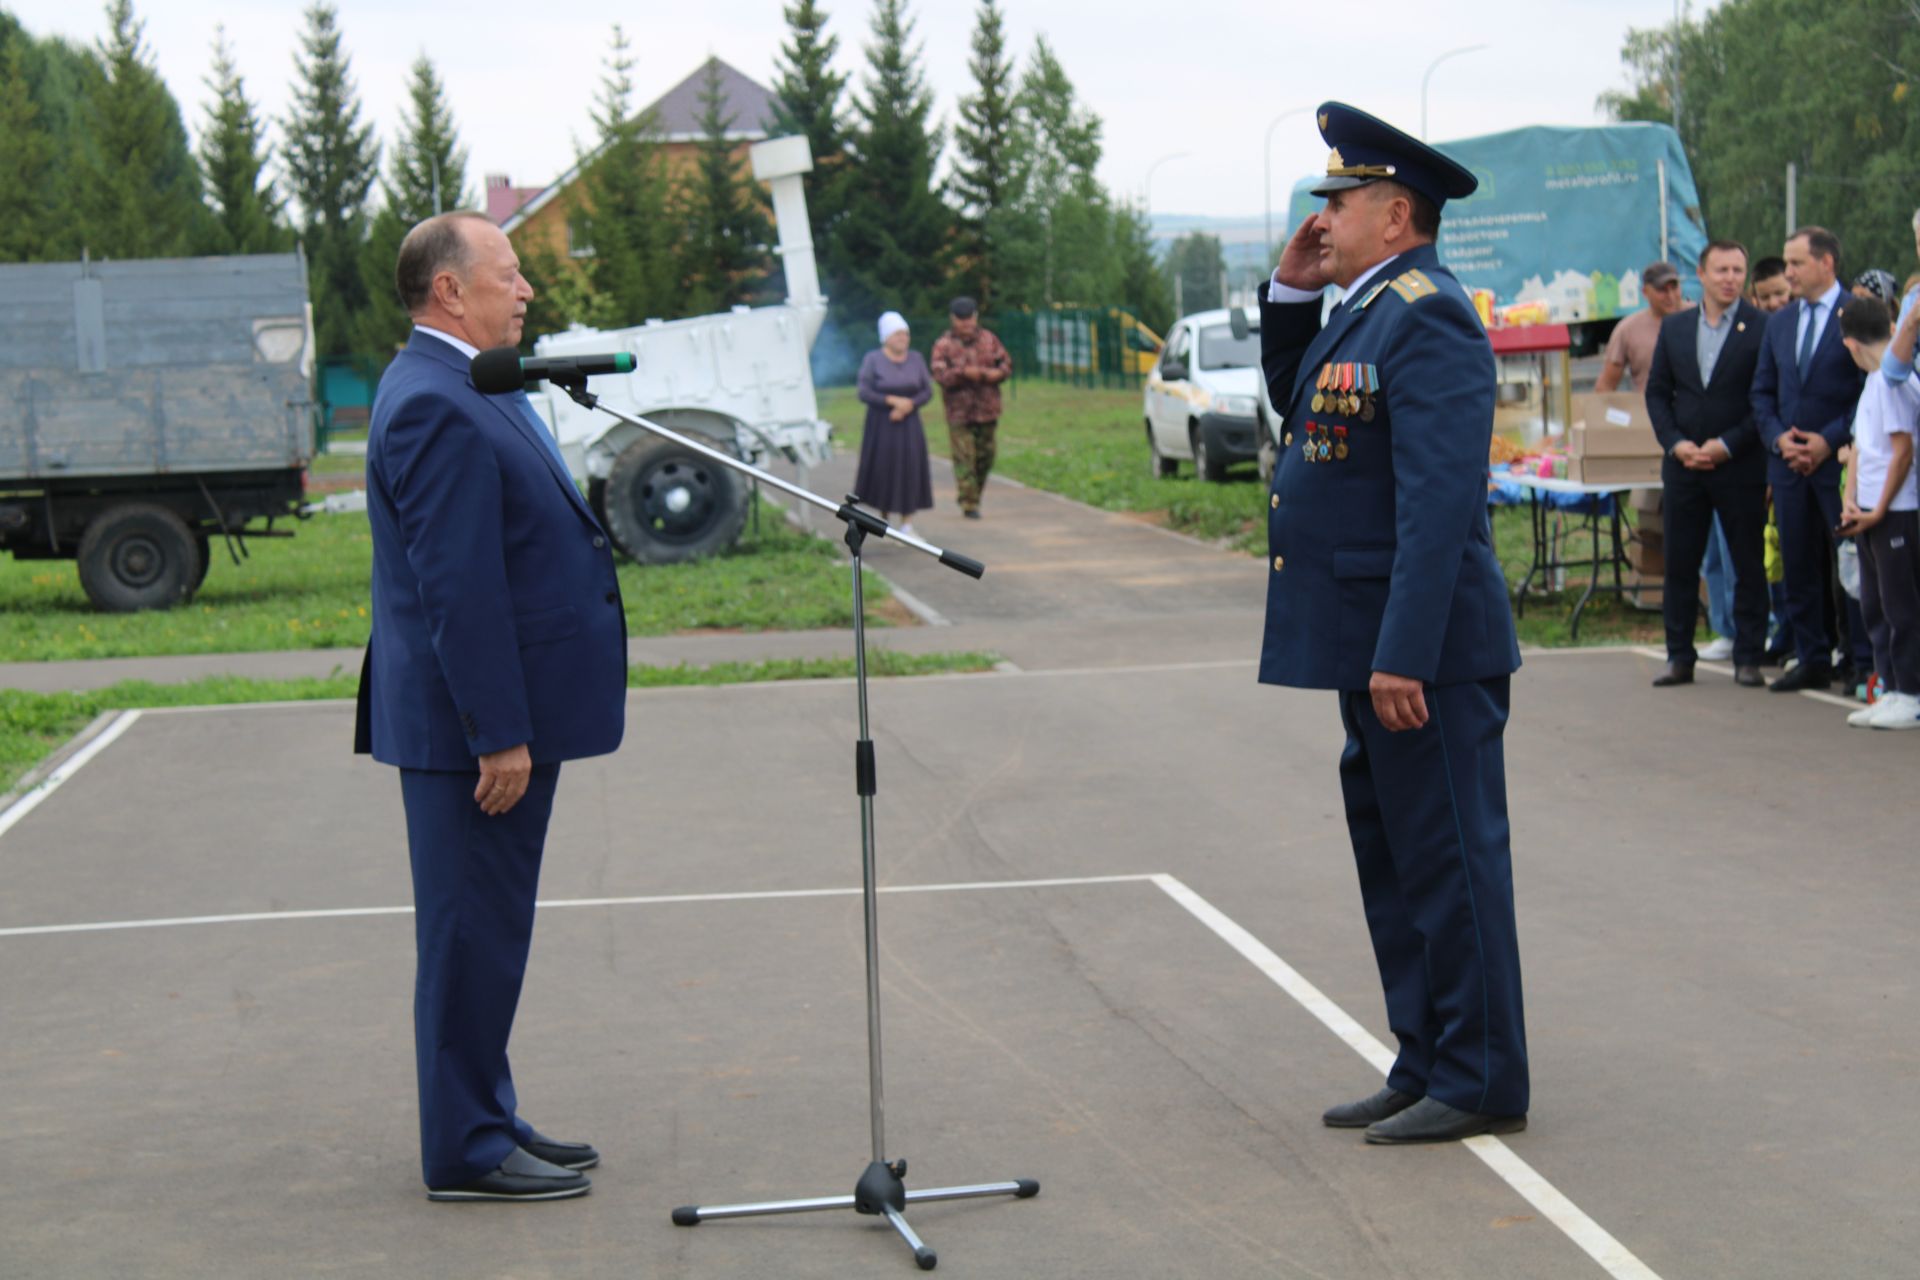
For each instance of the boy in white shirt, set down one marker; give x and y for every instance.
(1881, 512)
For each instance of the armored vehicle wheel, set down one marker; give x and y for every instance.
(136, 557)
(664, 504)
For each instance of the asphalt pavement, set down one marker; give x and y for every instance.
(1121, 953)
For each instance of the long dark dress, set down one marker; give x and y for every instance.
(893, 474)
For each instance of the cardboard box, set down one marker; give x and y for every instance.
(1612, 470)
(1613, 424)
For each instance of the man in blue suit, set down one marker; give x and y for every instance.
(1384, 587)
(498, 651)
(1804, 390)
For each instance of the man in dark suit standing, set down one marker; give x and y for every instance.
(1804, 390)
(498, 650)
(1384, 587)
(1699, 396)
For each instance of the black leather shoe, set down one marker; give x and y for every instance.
(520, 1177)
(568, 1155)
(1358, 1115)
(1431, 1120)
(1802, 677)
(1676, 673)
(1748, 676)
(971, 513)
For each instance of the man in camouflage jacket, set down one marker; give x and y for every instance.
(970, 364)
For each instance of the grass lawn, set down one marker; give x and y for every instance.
(33, 724)
(1090, 445)
(310, 592)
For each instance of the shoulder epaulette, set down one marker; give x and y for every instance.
(1413, 286)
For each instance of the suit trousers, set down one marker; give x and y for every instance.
(474, 882)
(1427, 812)
(1890, 598)
(1692, 500)
(1807, 509)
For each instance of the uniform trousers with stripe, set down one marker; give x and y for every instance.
(1427, 812)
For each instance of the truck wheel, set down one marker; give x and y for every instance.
(202, 545)
(136, 557)
(664, 504)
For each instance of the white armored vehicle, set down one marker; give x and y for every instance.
(740, 381)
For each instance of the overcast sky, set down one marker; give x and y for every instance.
(1198, 76)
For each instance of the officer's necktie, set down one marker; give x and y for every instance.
(1806, 342)
(532, 419)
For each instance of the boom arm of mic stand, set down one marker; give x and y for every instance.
(854, 516)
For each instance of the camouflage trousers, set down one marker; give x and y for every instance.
(972, 446)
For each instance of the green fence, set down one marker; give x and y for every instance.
(1082, 346)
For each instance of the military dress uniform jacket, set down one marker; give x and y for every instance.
(1381, 554)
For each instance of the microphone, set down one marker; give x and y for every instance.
(504, 369)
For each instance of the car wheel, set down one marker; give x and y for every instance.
(1269, 453)
(1161, 466)
(1204, 463)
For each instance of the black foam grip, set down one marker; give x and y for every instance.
(954, 560)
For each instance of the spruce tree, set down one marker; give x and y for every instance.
(140, 194)
(624, 222)
(1063, 222)
(26, 209)
(332, 160)
(244, 208)
(982, 181)
(890, 248)
(1145, 289)
(806, 101)
(426, 174)
(727, 227)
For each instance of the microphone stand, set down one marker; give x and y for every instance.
(881, 1190)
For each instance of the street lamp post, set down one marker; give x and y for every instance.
(1451, 53)
(1178, 155)
(1266, 159)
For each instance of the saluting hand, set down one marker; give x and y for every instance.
(503, 779)
(1399, 702)
(1300, 261)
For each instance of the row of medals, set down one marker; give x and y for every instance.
(1346, 389)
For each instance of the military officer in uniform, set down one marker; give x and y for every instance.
(1383, 586)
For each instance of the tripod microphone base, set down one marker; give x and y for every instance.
(880, 1193)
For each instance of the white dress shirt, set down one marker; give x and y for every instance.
(1278, 292)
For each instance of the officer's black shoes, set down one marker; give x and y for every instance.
(1431, 1120)
(1748, 676)
(1802, 677)
(520, 1177)
(1676, 673)
(1358, 1115)
(971, 513)
(568, 1155)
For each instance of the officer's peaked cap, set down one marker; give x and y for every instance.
(1366, 149)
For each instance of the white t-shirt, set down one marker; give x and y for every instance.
(1886, 408)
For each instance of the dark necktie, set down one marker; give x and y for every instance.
(1806, 342)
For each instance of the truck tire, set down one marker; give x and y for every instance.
(137, 556)
(664, 504)
(204, 547)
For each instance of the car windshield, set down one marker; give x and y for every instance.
(1219, 349)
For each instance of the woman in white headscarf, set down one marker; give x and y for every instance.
(894, 383)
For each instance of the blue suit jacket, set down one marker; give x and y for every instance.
(1384, 561)
(496, 612)
(1823, 405)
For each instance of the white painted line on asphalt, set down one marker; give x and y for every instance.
(1592, 1239)
(347, 913)
(1719, 669)
(27, 803)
